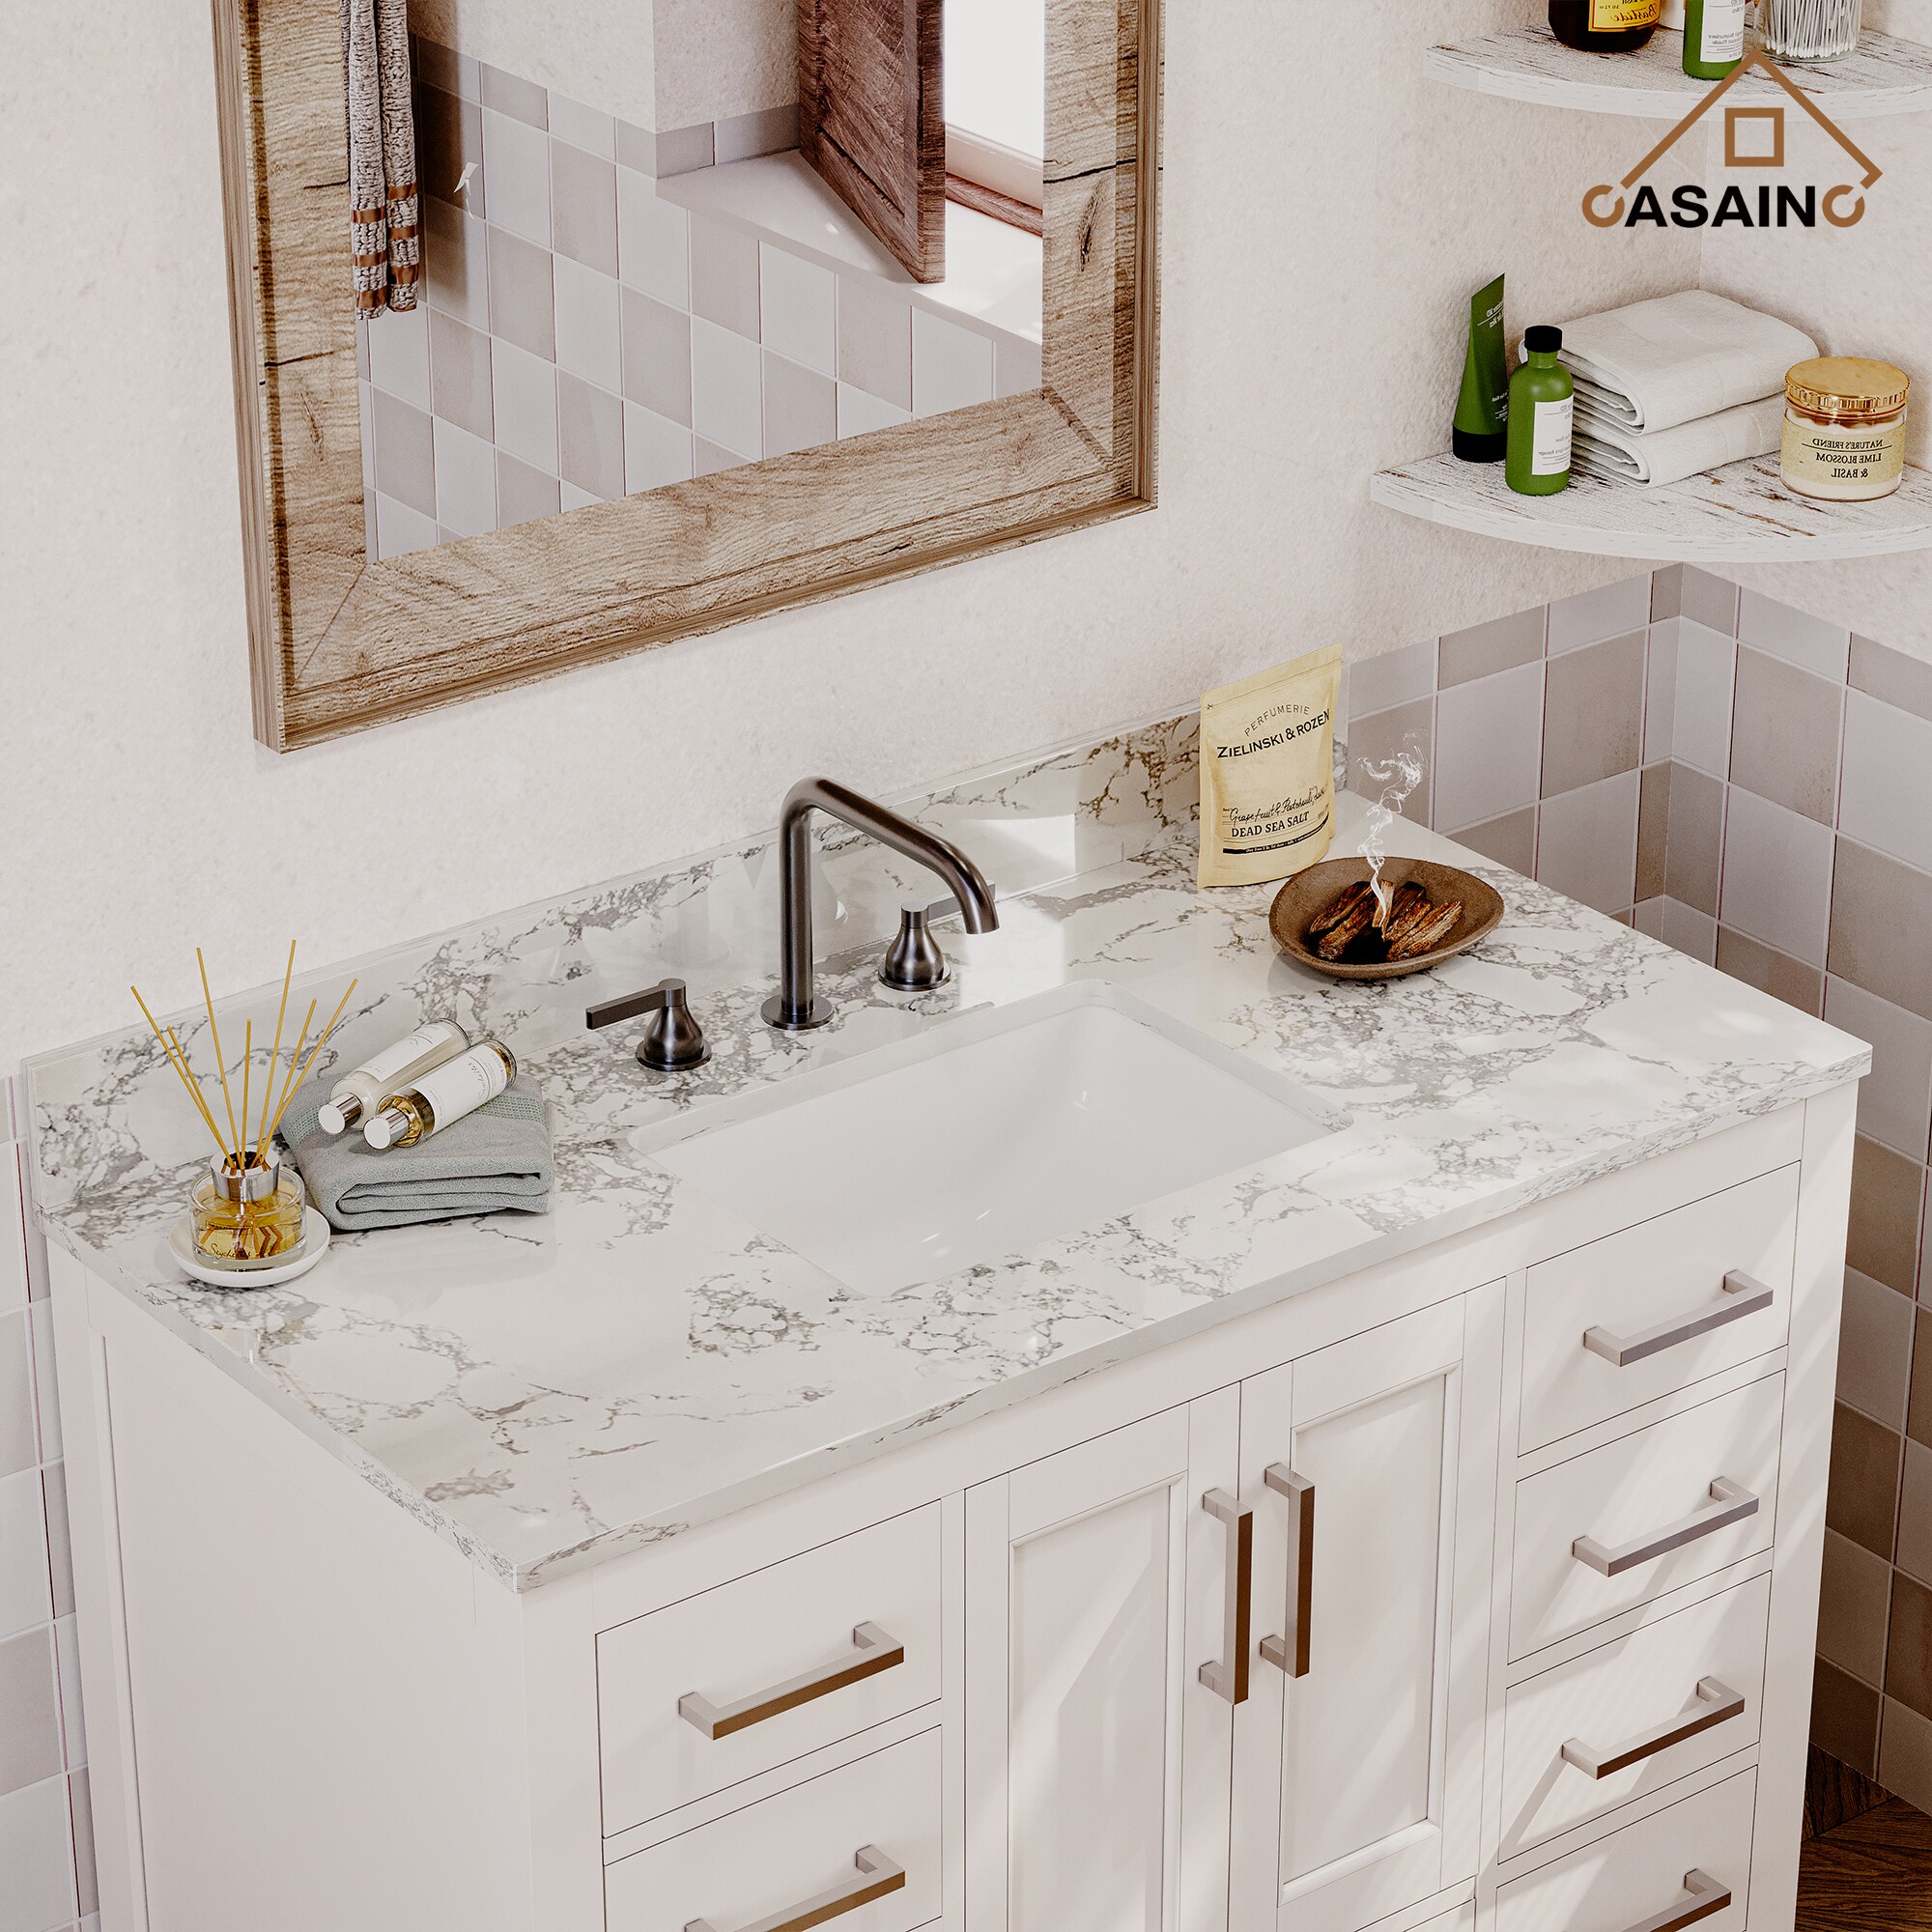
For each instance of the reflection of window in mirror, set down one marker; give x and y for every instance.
(996, 107)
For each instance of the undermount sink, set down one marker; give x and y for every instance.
(989, 1134)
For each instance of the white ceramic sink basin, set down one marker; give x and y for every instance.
(993, 1132)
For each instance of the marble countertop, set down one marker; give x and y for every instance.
(550, 1391)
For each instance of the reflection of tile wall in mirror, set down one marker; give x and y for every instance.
(588, 338)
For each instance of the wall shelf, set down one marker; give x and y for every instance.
(1884, 77)
(1739, 514)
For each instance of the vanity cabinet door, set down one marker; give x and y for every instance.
(1359, 1752)
(1092, 1578)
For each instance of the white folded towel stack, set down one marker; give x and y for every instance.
(1684, 382)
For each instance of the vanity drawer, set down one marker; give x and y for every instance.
(853, 1828)
(1658, 1508)
(1634, 1876)
(1699, 1671)
(776, 1664)
(1656, 1295)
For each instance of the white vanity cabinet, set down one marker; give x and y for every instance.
(1475, 1589)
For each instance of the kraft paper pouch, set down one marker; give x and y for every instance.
(1267, 779)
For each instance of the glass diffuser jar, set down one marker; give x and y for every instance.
(1604, 26)
(248, 1217)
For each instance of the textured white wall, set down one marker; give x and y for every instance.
(1864, 291)
(601, 52)
(1326, 215)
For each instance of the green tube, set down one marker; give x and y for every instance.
(1482, 410)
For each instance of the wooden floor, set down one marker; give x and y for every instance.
(1871, 1874)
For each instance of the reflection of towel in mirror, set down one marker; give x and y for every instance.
(1661, 456)
(385, 207)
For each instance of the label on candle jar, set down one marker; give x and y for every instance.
(1845, 460)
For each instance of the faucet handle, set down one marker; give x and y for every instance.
(674, 1043)
(913, 961)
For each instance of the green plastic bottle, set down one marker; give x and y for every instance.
(1541, 412)
(1714, 37)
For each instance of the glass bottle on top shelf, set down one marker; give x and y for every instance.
(1604, 26)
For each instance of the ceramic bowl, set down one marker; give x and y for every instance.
(1305, 895)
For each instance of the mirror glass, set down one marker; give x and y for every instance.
(644, 257)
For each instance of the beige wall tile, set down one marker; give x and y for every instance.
(1908, 1651)
(1891, 677)
(1887, 1195)
(1592, 714)
(1919, 1411)
(1586, 842)
(1875, 1349)
(19, 1447)
(1861, 1501)
(1488, 746)
(456, 264)
(1710, 601)
(449, 147)
(459, 373)
(1905, 1759)
(725, 276)
(1854, 1607)
(1794, 634)
(1914, 1554)
(510, 93)
(1895, 1097)
(1785, 729)
(1844, 1718)
(583, 207)
(1392, 677)
(591, 437)
(1881, 926)
(1653, 832)
(30, 1739)
(875, 340)
(1666, 592)
(1484, 649)
(1377, 738)
(1777, 876)
(522, 297)
(657, 357)
(1593, 615)
(1769, 971)
(1886, 800)
(1510, 841)
(801, 407)
(1693, 859)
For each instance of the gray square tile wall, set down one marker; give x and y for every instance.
(1752, 784)
(583, 338)
(47, 1863)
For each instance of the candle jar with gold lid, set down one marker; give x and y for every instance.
(1844, 429)
(248, 1217)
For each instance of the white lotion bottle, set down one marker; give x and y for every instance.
(442, 1095)
(365, 1087)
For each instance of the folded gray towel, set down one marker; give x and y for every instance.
(495, 1159)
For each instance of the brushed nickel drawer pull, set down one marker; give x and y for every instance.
(877, 1875)
(1717, 1704)
(1742, 1295)
(1703, 1896)
(1288, 1652)
(1732, 1501)
(1227, 1676)
(876, 1652)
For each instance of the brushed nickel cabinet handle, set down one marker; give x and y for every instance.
(1730, 1503)
(876, 1652)
(1288, 1652)
(1703, 1896)
(876, 1876)
(1227, 1676)
(1717, 1704)
(1742, 1295)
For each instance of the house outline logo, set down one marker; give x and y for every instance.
(1736, 118)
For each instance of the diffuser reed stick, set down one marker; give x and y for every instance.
(274, 1052)
(220, 1059)
(315, 1049)
(179, 1062)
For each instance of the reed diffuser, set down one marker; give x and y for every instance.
(248, 1209)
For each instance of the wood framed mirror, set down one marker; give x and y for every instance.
(372, 598)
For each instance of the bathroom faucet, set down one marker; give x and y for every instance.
(794, 1007)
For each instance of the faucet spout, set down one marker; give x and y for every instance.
(796, 1007)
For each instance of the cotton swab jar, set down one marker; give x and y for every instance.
(1810, 30)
